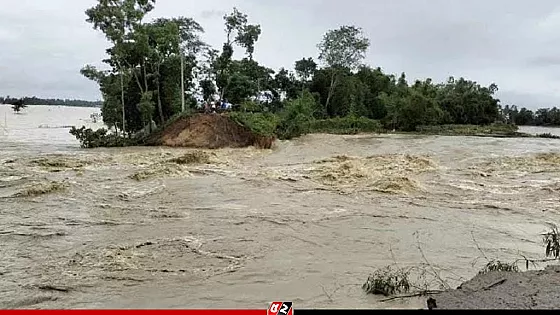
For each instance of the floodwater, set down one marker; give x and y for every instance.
(306, 222)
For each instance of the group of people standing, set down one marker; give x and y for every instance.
(214, 106)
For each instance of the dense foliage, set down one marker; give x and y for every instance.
(337, 93)
(526, 117)
(50, 101)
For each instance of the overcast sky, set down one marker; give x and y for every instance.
(511, 42)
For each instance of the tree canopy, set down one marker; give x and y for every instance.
(527, 117)
(143, 79)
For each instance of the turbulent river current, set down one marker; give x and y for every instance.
(306, 222)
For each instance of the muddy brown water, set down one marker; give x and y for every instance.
(307, 221)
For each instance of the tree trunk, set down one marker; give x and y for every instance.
(160, 109)
(138, 81)
(182, 82)
(303, 84)
(331, 90)
(145, 77)
(122, 101)
(136, 77)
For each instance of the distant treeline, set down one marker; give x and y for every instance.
(527, 117)
(50, 101)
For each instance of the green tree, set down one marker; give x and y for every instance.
(247, 38)
(375, 82)
(296, 116)
(165, 38)
(466, 102)
(226, 72)
(117, 19)
(110, 86)
(406, 112)
(285, 82)
(235, 22)
(247, 79)
(207, 72)
(305, 69)
(342, 48)
(146, 107)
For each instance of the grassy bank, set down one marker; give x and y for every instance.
(270, 125)
(264, 124)
(346, 125)
(284, 127)
(493, 130)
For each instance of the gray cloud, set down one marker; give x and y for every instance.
(512, 43)
(208, 14)
(545, 61)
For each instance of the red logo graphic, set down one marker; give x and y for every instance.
(280, 308)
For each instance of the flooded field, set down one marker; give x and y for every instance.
(307, 221)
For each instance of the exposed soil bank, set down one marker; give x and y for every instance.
(210, 131)
(506, 290)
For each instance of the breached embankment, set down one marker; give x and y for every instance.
(210, 131)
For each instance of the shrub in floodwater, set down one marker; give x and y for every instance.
(548, 136)
(18, 105)
(552, 241)
(470, 130)
(296, 116)
(196, 157)
(496, 265)
(387, 282)
(99, 138)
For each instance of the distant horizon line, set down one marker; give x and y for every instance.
(51, 98)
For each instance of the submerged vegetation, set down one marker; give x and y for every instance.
(195, 157)
(496, 129)
(547, 135)
(552, 241)
(18, 105)
(99, 138)
(496, 265)
(161, 68)
(393, 280)
(387, 281)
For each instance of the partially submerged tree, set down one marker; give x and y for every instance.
(18, 105)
